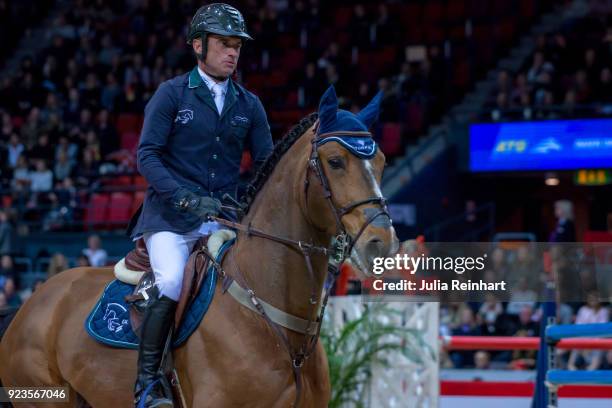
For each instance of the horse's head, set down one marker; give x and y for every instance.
(346, 168)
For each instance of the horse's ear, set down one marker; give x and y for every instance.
(328, 108)
(369, 114)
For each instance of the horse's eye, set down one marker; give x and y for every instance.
(336, 163)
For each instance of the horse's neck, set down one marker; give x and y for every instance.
(276, 272)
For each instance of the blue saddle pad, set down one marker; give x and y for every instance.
(109, 321)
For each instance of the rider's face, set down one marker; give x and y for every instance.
(222, 55)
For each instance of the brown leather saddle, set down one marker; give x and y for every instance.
(193, 276)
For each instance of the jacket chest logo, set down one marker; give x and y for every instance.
(184, 116)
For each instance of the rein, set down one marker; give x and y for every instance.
(340, 249)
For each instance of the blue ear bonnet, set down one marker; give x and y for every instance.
(362, 147)
(346, 128)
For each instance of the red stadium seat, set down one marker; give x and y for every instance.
(414, 114)
(97, 209)
(129, 122)
(527, 8)
(410, 14)
(391, 140)
(343, 17)
(433, 12)
(461, 74)
(455, 11)
(7, 201)
(119, 210)
(117, 181)
(129, 140)
(294, 59)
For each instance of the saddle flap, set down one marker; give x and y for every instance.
(193, 276)
(138, 258)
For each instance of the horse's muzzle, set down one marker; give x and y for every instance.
(374, 245)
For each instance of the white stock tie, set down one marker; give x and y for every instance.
(218, 95)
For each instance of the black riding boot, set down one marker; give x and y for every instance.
(156, 324)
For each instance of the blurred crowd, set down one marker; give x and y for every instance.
(494, 318)
(569, 75)
(14, 290)
(59, 112)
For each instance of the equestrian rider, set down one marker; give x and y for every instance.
(195, 128)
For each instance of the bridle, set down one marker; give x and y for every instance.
(314, 164)
(339, 250)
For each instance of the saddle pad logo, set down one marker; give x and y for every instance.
(114, 317)
(184, 116)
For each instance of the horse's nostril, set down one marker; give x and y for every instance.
(375, 246)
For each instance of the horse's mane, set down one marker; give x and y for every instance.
(266, 168)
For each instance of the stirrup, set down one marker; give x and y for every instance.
(147, 399)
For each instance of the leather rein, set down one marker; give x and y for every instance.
(342, 245)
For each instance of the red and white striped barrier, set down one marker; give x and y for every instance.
(509, 394)
(521, 343)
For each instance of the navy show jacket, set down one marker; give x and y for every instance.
(186, 143)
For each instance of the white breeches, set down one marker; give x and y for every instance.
(168, 254)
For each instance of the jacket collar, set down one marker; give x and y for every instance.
(196, 82)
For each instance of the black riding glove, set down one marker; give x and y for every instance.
(203, 207)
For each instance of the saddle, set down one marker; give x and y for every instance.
(196, 267)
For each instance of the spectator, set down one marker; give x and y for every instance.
(41, 179)
(603, 90)
(607, 361)
(95, 254)
(42, 150)
(499, 265)
(73, 107)
(30, 130)
(58, 264)
(540, 73)
(488, 313)
(592, 312)
(21, 176)
(582, 88)
(565, 230)
(6, 266)
(359, 26)
(82, 261)
(10, 292)
(482, 360)
(67, 148)
(467, 327)
(525, 359)
(8, 236)
(110, 93)
(311, 85)
(15, 148)
(63, 166)
(522, 296)
(3, 303)
(106, 134)
(88, 170)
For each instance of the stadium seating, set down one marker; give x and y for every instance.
(97, 210)
(119, 209)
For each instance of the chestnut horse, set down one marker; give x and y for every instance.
(234, 358)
